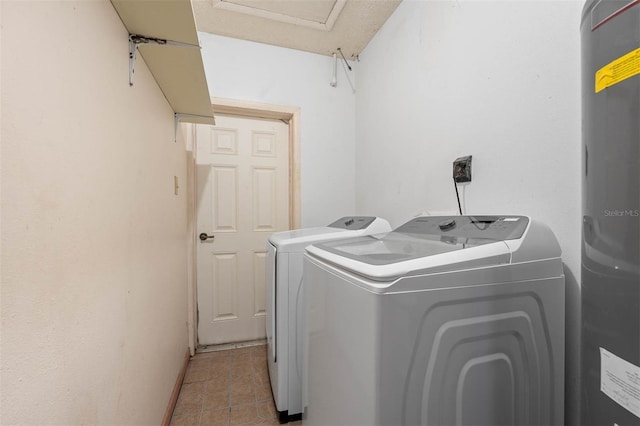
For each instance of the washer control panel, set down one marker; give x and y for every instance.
(490, 227)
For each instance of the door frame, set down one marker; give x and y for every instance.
(288, 114)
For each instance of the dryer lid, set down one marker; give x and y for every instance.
(283, 240)
(346, 227)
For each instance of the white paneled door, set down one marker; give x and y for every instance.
(243, 196)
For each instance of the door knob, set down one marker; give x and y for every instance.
(205, 237)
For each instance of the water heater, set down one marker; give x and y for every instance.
(611, 213)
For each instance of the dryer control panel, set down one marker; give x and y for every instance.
(353, 223)
(490, 227)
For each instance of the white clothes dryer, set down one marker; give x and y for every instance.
(285, 252)
(445, 321)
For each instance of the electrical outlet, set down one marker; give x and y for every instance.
(462, 169)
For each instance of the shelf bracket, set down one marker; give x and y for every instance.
(176, 121)
(136, 39)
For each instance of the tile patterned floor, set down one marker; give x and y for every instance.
(227, 388)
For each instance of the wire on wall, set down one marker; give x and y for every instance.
(455, 185)
(344, 59)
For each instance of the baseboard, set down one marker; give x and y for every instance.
(176, 390)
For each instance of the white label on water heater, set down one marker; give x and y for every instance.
(620, 381)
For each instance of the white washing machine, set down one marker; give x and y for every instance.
(445, 321)
(285, 252)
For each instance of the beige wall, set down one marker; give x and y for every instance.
(94, 299)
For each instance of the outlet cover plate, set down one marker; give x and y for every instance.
(462, 169)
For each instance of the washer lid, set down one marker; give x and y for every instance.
(426, 245)
(397, 247)
(389, 256)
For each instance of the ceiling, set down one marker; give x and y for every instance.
(318, 26)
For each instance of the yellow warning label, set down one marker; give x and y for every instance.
(618, 70)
